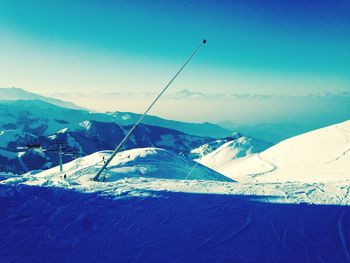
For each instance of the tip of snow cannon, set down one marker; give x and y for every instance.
(204, 41)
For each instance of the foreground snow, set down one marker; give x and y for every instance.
(143, 212)
(135, 220)
(337, 193)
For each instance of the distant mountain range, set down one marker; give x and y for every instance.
(270, 132)
(268, 117)
(43, 118)
(21, 94)
(186, 93)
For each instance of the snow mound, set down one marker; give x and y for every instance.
(320, 155)
(141, 162)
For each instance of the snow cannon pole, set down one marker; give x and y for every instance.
(144, 114)
(60, 157)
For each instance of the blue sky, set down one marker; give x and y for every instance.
(253, 46)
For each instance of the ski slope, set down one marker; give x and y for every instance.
(322, 155)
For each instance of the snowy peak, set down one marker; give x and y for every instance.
(235, 147)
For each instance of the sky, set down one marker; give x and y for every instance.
(258, 46)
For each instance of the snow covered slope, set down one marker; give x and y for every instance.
(237, 147)
(211, 146)
(234, 146)
(141, 162)
(320, 155)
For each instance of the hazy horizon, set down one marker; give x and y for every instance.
(112, 46)
(233, 111)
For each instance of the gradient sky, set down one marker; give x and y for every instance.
(253, 46)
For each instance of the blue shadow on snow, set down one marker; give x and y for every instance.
(42, 224)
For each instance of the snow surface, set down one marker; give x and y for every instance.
(137, 219)
(322, 155)
(143, 170)
(144, 211)
(41, 224)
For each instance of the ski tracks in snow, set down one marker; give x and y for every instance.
(344, 133)
(271, 164)
(342, 236)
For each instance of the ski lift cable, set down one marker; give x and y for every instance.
(144, 114)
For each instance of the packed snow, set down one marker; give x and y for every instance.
(40, 224)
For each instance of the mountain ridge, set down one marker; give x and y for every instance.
(21, 94)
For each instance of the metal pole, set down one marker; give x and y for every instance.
(60, 157)
(144, 114)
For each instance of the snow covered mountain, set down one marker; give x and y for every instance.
(141, 162)
(31, 152)
(317, 156)
(211, 146)
(11, 139)
(232, 148)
